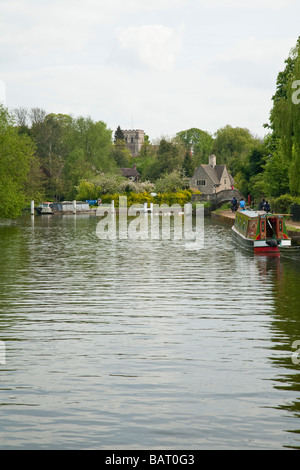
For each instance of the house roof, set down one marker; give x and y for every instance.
(127, 172)
(215, 173)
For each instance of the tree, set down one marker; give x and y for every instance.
(188, 164)
(168, 158)
(172, 182)
(70, 149)
(95, 140)
(120, 153)
(17, 158)
(118, 134)
(199, 142)
(48, 131)
(285, 118)
(232, 145)
(21, 115)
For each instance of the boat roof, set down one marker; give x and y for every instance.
(253, 214)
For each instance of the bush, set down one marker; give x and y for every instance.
(283, 203)
(106, 184)
(180, 197)
(171, 182)
(86, 190)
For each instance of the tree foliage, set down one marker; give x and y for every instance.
(232, 145)
(198, 142)
(285, 119)
(17, 159)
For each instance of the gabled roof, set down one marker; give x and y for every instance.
(128, 172)
(212, 173)
(215, 173)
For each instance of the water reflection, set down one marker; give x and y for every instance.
(286, 330)
(144, 344)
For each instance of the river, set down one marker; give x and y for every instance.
(144, 344)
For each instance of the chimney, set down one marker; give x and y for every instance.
(134, 167)
(212, 160)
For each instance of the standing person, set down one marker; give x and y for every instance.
(267, 207)
(242, 204)
(262, 205)
(234, 204)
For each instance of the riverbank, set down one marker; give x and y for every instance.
(228, 217)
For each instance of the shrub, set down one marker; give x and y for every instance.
(180, 197)
(283, 203)
(86, 190)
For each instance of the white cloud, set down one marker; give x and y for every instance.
(258, 50)
(156, 46)
(248, 4)
(116, 59)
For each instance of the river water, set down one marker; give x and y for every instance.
(144, 344)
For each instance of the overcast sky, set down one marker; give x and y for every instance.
(159, 65)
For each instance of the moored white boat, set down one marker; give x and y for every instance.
(44, 208)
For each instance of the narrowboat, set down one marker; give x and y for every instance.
(44, 208)
(260, 231)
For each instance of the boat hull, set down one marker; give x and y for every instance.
(45, 208)
(255, 246)
(44, 211)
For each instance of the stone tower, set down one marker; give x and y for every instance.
(134, 139)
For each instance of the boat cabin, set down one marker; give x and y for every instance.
(259, 225)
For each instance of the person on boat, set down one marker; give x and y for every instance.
(242, 204)
(267, 207)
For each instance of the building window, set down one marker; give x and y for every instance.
(225, 181)
(201, 182)
(132, 140)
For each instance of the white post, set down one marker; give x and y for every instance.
(151, 207)
(32, 207)
(145, 206)
(112, 206)
(74, 207)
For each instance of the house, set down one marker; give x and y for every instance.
(211, 178)
(131, 173)
(134, 139)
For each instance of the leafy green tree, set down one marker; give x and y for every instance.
(145, 158)
(121, 154)
(70, 149)
(285, 118)
(169, 157)
(95, 140)
(17, 158)
(48, 133)
(119, 135)
(199, 142)
(188, 164)
(171, 182)
(232, 145)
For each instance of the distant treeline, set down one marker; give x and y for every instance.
(61, 157)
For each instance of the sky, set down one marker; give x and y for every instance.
(163, 66)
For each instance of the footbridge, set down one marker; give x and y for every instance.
(219, 198)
